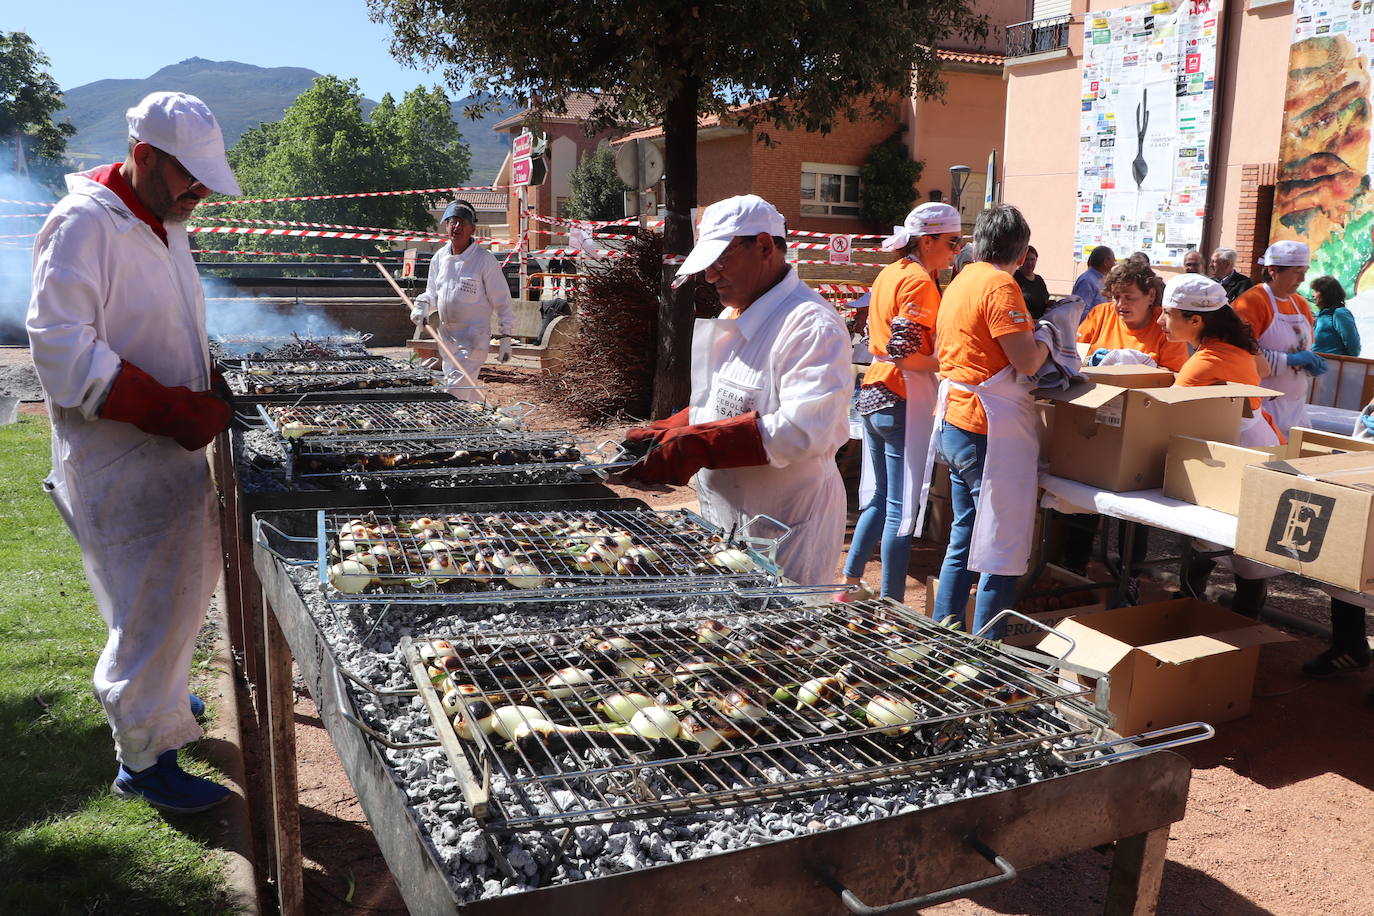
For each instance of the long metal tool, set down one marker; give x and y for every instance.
(443, 347)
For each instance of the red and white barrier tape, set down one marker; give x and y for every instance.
(308, 233)
(291, 254)
(814, 245)
(274, 200)
(825, 235)
(515, 251)
(291, 224)
(840, 288)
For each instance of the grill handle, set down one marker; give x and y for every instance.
(260, 529)
(345, 706)
(767, 547)
(1069, 643)
(1006, 872)
(1176, 735)
(520, 410)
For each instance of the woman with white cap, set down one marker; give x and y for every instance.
(1282, 323)
(897, 397)
(1196, 313)
(465, 285)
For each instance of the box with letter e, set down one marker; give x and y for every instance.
(1312, 516)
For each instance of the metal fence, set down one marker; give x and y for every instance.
(1038, 35)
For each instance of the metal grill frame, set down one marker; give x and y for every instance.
(609, 454)
(1059, 712)
(319, 383)
(457, 416)
(228, 345)
(762, 581)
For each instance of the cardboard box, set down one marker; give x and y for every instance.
(1117, 438)
(1170, 662)
(1019, 632)
(1129, 376)
(1312, 516)
(1209, 474)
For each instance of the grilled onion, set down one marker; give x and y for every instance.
(525, 575)
(889, 711)
(655, 722)
(709, 631)
(350, 577)
(566, 682)
(733, 559)
(621, 707)
(506, 719)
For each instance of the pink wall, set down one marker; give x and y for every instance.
(959, 129)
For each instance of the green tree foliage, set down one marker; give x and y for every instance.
(795, 63)
(887, 183)
(28, 98)
(597, 191)
(323, 145)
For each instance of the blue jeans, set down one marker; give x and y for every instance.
(885, 441)
(965, 453)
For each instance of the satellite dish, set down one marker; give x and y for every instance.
(639, 164)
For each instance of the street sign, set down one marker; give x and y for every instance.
(840, 249)
(521, 170)
(408, 265)
(523, 145)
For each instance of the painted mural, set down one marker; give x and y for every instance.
(1144, 149)
(1321, 195)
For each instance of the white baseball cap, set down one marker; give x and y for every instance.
(928, 219)
(1194, 293)
(182, 125)
(1287, 254)
(724, 220)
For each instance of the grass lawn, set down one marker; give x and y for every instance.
(66, 844)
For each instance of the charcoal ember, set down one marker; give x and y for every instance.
(590, 840)
(472, 846)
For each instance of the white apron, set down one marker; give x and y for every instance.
(465, 289)
(142, 508)
(1287, 334)
(807, 494)
(921, 394)
(470, 343)
(1004, 526)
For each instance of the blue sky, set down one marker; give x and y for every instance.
(87, 41)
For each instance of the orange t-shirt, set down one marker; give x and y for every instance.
(1104, 328)
(1215, 362)
(981, 304)
(1253, 305)
(902, 290)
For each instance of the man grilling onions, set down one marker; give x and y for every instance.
(465, 285)
(771, 380)
(116, 325)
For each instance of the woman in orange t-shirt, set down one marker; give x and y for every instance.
(897, 399)
(1196, 313)
(1126, 329)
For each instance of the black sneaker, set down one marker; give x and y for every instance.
(1336, 661)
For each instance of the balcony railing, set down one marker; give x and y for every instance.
(1038, 35)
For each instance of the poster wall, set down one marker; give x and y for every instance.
(1144, 148)
(1321, 195)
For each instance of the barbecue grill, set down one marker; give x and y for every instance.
(1104, 791)
(401, 418)
(460, 554)
(755, 708)
(265, 377)
(239, 347)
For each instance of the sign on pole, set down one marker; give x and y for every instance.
(408, 265)
(523, 145)
(840, 249)
(521, 170)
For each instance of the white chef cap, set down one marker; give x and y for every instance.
(1194, 293)
(927, 219)
(1287, 254)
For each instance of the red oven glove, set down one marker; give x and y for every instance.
(639, 439)
(681, 452)
(192, 418)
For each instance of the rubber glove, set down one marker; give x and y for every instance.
(419, 308)
(192, 418)
(1308, 362)
(1098, 356)
(503, 353)
(731, 443)
(1368, 420)
(639, 439)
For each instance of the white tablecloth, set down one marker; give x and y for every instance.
(1332, 419)
(1149, 507)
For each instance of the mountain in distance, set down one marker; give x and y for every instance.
(241, 96)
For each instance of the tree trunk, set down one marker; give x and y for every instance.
(676, 312)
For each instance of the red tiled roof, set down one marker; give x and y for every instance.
(580, 105)
(970, 57)
(486, 200)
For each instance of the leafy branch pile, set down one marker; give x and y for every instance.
(609, 367)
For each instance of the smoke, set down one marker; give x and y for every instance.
(231, 313)
(16, 254)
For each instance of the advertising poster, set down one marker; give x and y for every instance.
(1321, 195)
(1146, 120)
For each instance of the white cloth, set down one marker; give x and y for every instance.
(464, 289)
(1004, 520)
(1127, 358)
(1148, 507)
(786, 356)
(921, 392)
(1057, 329)
(1286, 334)
(142, 508)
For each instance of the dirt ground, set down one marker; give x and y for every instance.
(1279, 813)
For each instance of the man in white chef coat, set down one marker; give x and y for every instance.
(116, 324)
(771, 381)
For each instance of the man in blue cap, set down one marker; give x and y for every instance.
(465, 284)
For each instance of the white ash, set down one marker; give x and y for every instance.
(365, 640)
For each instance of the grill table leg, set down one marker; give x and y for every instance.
(1137, 870)
(281, 736)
